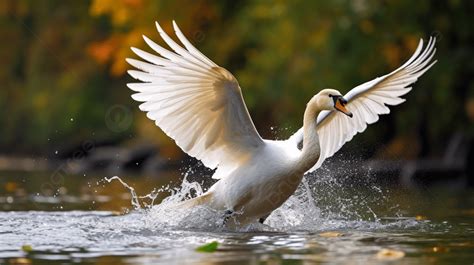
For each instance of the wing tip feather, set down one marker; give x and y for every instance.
(146, 39)
(132, 87)
(159, 28)
(131, 61)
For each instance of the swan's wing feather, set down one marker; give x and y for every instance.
(195, 102)
(368, 101)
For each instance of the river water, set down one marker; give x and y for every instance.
(87, 220)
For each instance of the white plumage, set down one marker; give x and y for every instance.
(200, 106)
(368, 101)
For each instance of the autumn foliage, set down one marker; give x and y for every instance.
(64, 65)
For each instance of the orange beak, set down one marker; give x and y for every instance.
(340, 106)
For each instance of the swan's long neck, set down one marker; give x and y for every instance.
(311, 148)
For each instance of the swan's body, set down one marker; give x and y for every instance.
(266, 180)
(200, 106)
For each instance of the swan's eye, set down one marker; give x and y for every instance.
(331, 95)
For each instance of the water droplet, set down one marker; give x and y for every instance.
(56, 152)
(72, 119)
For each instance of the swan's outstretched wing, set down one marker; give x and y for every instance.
(195, 102)
(368, 101)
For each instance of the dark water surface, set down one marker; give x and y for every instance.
(46, 219)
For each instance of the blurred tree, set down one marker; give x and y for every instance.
(65, 64)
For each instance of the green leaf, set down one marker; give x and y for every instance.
(27, 248)
(209, 247)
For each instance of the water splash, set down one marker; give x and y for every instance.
(322, 202)
(169, 214)
(135, 200)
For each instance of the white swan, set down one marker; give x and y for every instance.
(200, 106)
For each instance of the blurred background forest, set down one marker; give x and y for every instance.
(64, 75)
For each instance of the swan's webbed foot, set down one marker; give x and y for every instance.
(227, 215)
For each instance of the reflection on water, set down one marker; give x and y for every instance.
(82, 220)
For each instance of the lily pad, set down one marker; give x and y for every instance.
(27, 248)
(208, 247)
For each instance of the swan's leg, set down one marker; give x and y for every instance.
(262, 219)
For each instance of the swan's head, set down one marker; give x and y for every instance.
(331, 99)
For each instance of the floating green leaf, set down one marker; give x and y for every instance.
(27, 248)
(208, 247)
